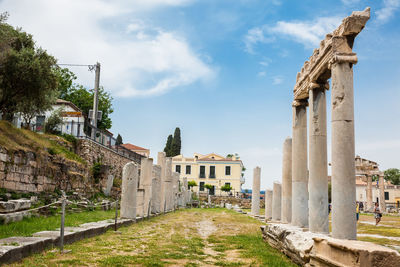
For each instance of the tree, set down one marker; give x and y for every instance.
(226, 188)
(176, 143)
(392, 175)
(209, 187)
(168, 145)
(229, 156)
(191, 184)
(53, 122)
(28, 80)
(119, 142)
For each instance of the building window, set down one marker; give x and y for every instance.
(178, 168)
(188, 169)
(212, 171)
(212, 190)
(201, 186)
(386, 195)
(226, 184)
(202, 171)
(227, 170)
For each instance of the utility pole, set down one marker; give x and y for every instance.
(96, 99)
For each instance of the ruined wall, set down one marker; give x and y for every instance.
(28, 172)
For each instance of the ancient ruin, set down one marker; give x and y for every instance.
(255, 196)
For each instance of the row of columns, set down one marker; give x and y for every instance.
(152, 189)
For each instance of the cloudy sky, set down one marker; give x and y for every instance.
(221, 70)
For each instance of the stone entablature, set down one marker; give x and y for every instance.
(336, 47)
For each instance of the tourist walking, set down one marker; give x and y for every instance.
(378, 214)
(357, 211)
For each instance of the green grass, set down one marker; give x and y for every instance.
(381, 230)
(28, 226)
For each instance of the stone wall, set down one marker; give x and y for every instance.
(29, 172)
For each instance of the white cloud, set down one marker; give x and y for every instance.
(387, 11)
(262, 73)
(136, 59)
(350, 2)
(308, 33)
(277, 80)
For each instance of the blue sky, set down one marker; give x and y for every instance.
(221, 70)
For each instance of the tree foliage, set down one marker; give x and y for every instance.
(208, 186)
(53, 122)
(192, 184)
(176, 143)
(28, 80)
(226, 188)
(392, 175)
(168, 146)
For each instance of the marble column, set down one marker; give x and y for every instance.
(382, 203)
(286, 215)
(268, 205)
(344, 225)
(156, 190)
(255, 196)
(129, 191)
(169, 185)
(318, 161)
(276, 202)
(146, 177)
(370, 205)
(161, 161)
(299, 165)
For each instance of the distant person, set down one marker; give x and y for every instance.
(357, 211)
(378, 213)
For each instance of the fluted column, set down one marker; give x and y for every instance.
(255, 196)
(299, 165)
(276, 202)
(286, 215)
(318, 161)
(369, 206)
(382, 203)
(343, 166)
(268, 205)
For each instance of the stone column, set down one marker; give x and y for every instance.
(255, 195)
(382, 203)
(161, 161)
(318, 161)
(369, 206)
(276, 202)
(299, 165)
(129, 190)
(343, 166)
(169, 185)
(287, 181)
(156, 190)
(268, 205)
(109, 185)
(146, 177)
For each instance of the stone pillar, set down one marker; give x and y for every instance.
(185, 191)
(299, 165)
(370, 204)
(276, 202)
(287, 181)
(109, 185)
(146, 177)
(175, 189)
(268, 205)
(169, 187)
(382, 203)
(156, 190)
(129, 190)
(161, 161)
(318, 162)
(255, 195)
(343, 166)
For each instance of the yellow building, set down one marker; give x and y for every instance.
(210, 169)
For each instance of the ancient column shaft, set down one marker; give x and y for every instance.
(343, 166)
(156, 190)
(268, 205)
(276, 202)
(318, 162)
(382, 203)
(370, 205)
(161, 161)
(129, 191)
(255, 196)
(299, 167)
(146, 177)
(286, 215)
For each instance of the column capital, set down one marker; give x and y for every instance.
(315, 85)
(339, 58)
(300, 102)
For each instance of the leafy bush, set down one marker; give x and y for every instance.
(70, 138)
(96, 171)
(192, 184)
(53, 122)
(226, 188)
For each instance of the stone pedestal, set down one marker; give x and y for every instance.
(268, 205)
(370, 205)
(129, 191)
(277, 202)
(299, 165)
(318, 162)
(382, 203)
(343, 166)
(286, 215)
(255, 196)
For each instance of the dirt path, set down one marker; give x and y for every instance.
(196, 237)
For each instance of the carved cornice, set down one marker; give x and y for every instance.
(335, 48)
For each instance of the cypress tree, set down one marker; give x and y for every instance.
(176, 143)
(168, 146)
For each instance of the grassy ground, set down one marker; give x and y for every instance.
(14, 139)
(196, 237)
(262, 211)
(28, 226)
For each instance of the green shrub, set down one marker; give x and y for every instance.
(72, 139)
(96, 171)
